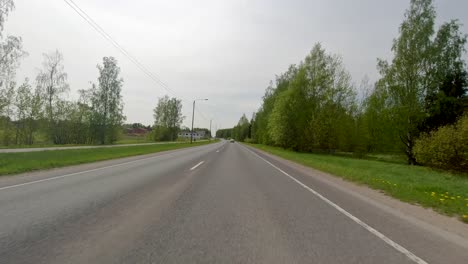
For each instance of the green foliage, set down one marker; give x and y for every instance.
(44, 115)
(107, 104)
(248, 140)
(161, 133)
(260, 131)
(377, 117)
(242, 130)
(282, 123)
(11, 53)
(224, 133)
(135, 125)
(311, 108)
(446, 104)
(445, 148)
(52, 82)
(405, 79)
(416, 83)
(28, 111)
(167, 119)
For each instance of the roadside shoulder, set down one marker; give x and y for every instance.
(447, 227)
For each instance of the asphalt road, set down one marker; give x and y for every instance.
(218, 203)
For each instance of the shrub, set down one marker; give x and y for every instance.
(249, 140)
(446, 147)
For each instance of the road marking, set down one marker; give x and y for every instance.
(194, 167)
(387, 240)
(77, 173)
(86, 171)
(217, 150)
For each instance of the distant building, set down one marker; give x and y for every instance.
(137, 131)
(196, 135)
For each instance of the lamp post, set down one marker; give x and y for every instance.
(210, 129)
(193, 116)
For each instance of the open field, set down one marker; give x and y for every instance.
(443, 191)
(41, 146)
(11, 163)
(128, 139)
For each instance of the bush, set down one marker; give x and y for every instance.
(446, 147)
(161, 133)
(249, 140)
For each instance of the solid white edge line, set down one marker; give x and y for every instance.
(194, 167)
(387, 240)
(82, 172)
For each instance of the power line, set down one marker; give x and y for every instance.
(106, 36)
(202, 115)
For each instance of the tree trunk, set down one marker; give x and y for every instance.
(409, 149)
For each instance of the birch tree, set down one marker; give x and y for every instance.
(11, 52)
(28, 104)
(52, 79)
(405, 78)
(107, 101)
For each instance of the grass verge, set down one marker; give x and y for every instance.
(443, 191)
(41, 146)
(11, 163)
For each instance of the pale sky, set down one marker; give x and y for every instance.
(226, 51)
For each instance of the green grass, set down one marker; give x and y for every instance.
(11, 163)
(40, 146)
(132, 141)
(126, 139)
(445, 192)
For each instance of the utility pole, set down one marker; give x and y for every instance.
(210, 129)
(193, 117)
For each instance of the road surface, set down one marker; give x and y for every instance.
(218, 203)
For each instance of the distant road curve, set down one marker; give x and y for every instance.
(17, 150)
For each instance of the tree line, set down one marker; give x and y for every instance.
(418, 106)
(38, 110)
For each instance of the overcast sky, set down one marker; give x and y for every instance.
(227, 51)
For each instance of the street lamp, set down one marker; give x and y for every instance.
(210, 129)
(193, 116)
